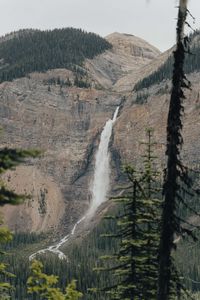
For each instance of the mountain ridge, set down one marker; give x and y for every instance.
(39, 111)
(27, 51)
(127, 55)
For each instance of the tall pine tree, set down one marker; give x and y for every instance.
(44, 285)
(135, 268)
(169, 285)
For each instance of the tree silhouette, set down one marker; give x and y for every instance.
(169, 284)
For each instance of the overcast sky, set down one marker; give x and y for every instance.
(153, 20)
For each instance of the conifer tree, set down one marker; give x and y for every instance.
(44, 285)
(151, 210)
(9, 158)
(169, 285)
(135, 269)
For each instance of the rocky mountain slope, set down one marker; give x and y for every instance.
(65, 122)
(130, 127)
(127, 56)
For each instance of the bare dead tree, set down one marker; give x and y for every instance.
(169, 284)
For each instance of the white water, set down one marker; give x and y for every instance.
(55, 249)
(99, 187)
(101, 181)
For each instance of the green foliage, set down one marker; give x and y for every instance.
(196, 296)
(57, 81)
(83, 256)
(22, 239)
(71, 292)
(141, 97)
(42, 284)
(34, 50)
(134, 265)
(176, 174)
(164, 72)
(191, 64)
(9, 158)
(5, 276)
(80, 82)
(5, 286)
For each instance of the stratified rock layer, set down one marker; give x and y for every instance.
(66, 122)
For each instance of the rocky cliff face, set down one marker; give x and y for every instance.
(128, 55)
(130, 126)
(66, 122)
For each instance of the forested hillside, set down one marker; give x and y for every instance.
(192, 64)
(66, 121)
(34, 50)
(83, 256)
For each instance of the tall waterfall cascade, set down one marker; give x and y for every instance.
(101, 182)
(99, 186)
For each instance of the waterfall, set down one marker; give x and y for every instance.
(99, 187)
(101, 182)
(55, 248)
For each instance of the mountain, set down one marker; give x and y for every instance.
(164, 70)
(128, 54)
(147, 106)
(64, 121)
(62, 111)
(27, 51)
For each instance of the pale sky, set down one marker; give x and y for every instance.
(152, 20)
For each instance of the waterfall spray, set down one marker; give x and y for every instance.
(100, 185)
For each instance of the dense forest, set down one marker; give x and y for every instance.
(191, 64)
(84, 256)
(34, 50)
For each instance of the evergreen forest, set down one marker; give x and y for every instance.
(34, 50)
(164, 72)
(146, 247)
